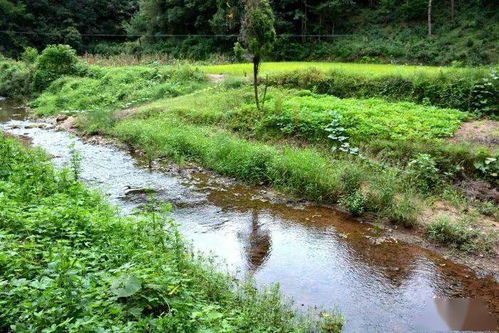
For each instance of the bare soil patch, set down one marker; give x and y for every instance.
(484, 132)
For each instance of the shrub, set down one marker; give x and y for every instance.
(15, 79)
(29, 55)
(54, 61)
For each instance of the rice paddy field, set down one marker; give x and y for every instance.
(371, 69)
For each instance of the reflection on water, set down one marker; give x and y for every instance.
(317, 255)
(459, 314)
(256, 244)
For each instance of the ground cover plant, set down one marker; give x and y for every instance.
(68, 263)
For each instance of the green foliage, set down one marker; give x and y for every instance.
(363, 120)
(354, 203)
(423, 171)
(467, 90)
(461, 234)
(68, 263)
(29, 55)
(55, 61)
(15, 79)
(489, 167)
(116, 88)
(306, 172)
(257, 28)
(338, 134)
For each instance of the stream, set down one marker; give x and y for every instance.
(319, 256)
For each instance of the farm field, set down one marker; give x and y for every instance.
(371, 69)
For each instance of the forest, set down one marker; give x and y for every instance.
(384, 31)
(249, 166)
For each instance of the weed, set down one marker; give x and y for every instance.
(354, 202)
(459, 233)
(423, 172)
(75, 161)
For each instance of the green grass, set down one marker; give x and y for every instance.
(309, 173)
(385, 131)
(68, 263)
(109, 89)
(371, 69)
(467, 89)
(461, 234)
(304, 115)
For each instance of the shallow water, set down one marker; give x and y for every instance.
(319, 256)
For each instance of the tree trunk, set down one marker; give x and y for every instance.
(256, 64)
(429, 17)
(452, 11)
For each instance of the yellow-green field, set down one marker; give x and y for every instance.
(279, 67)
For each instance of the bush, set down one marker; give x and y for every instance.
(423, 172)
(29, 55)
(15, 79)
(55, 61)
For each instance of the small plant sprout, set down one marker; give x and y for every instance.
(75, 161)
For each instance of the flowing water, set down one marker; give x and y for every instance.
(318, 255)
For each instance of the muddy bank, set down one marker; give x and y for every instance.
(319, 256)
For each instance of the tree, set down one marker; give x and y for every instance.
(257, 35)
(429, 17)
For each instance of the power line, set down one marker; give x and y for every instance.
(161, 35)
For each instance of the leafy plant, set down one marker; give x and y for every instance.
(54, 62)
(423, 171)
(75, 161)
(339, 136)
(354, 202)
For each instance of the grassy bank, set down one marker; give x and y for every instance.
(68, 263)
(385, 132)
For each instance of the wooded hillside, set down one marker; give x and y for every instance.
(403, 31)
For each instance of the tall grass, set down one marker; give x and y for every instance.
(117, 88)
(308, 173)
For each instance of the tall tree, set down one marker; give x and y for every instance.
(257, 35)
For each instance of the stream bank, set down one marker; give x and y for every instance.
(319, 256)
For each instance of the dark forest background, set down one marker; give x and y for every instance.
(463, 32)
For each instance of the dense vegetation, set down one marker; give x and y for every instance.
(366, 155)
(68, 263)
(463, 32)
